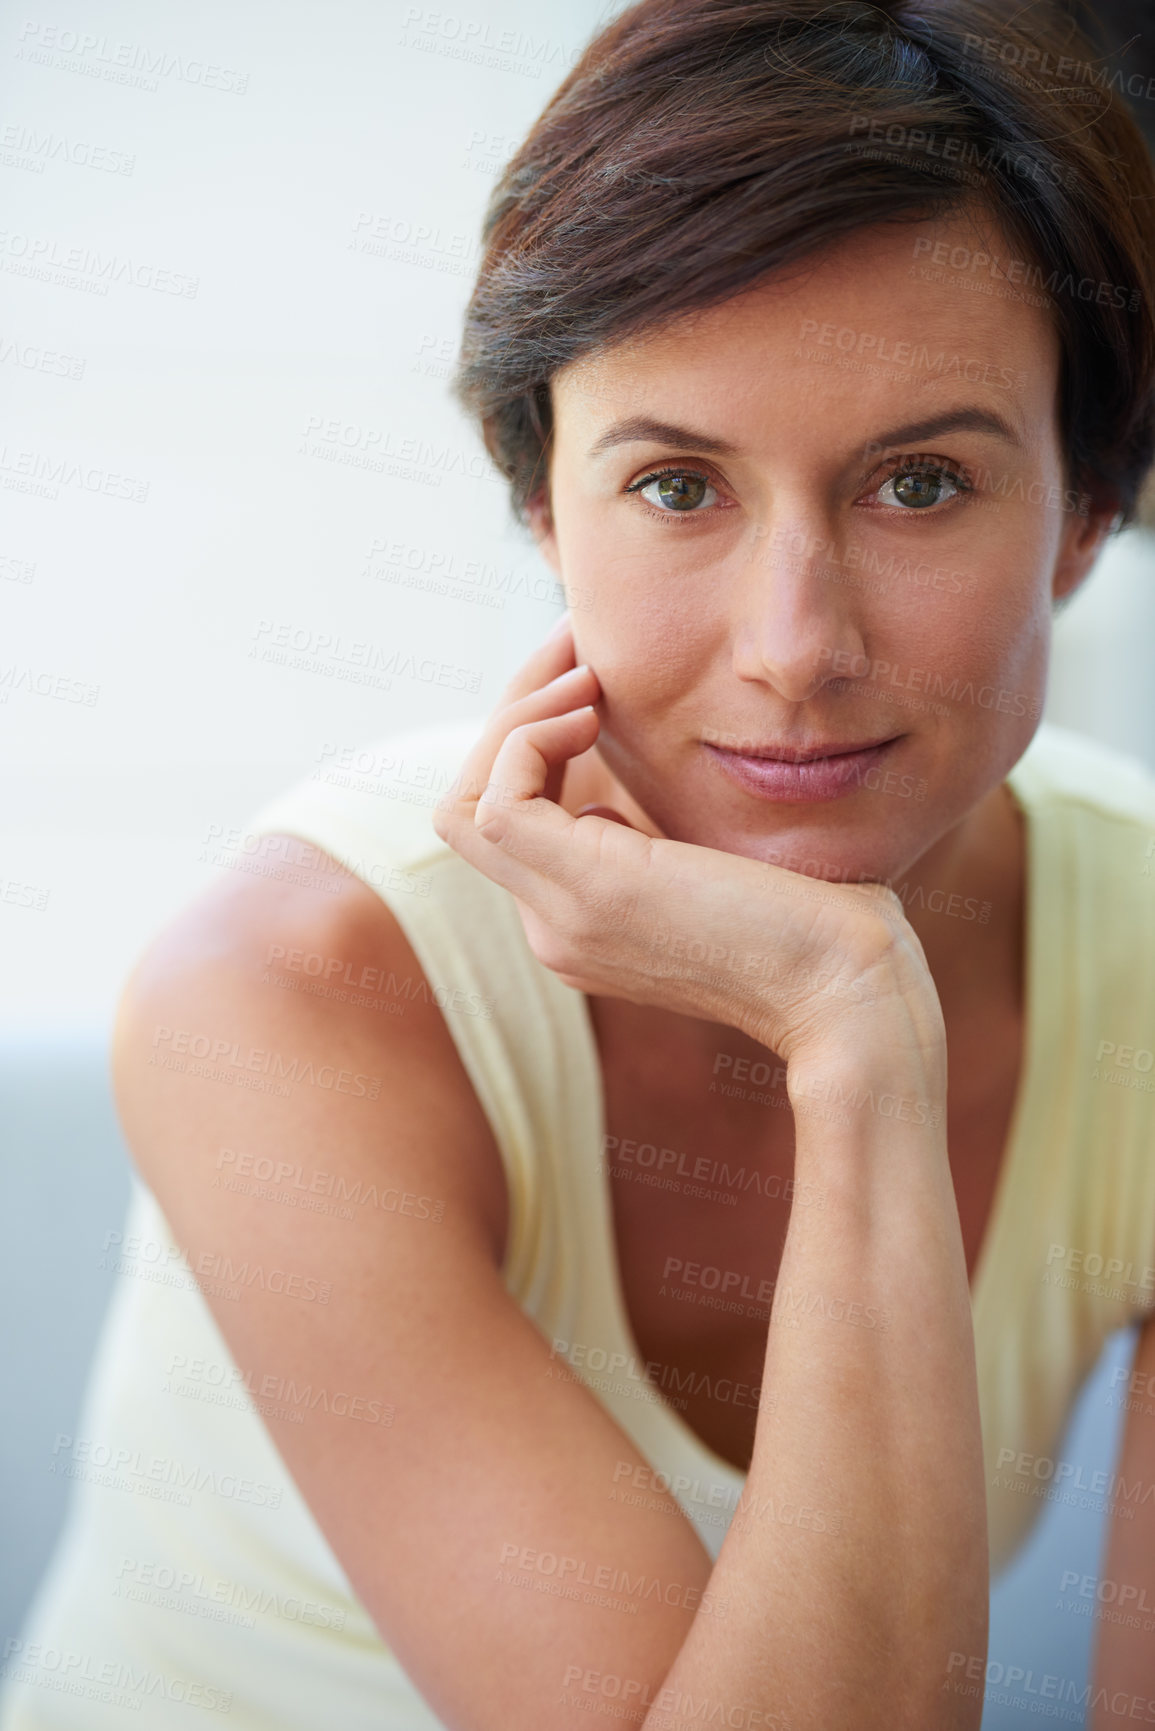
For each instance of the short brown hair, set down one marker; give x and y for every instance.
(699, 144)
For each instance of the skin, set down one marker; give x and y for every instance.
(706, 623)
(808, 580)
(858, 1417)
(701, 620)
(869, 1614)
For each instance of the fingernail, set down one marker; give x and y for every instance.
(562, 625)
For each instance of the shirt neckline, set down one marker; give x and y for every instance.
(986, 1270)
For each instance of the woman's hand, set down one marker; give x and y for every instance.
(612, 911)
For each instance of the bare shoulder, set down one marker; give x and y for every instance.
(258, 984)
(469, 1450)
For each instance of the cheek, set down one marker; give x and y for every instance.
(997, 628)
(642, 624)
(646, 674)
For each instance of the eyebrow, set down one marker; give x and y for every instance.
(971, 419)
(641, 429)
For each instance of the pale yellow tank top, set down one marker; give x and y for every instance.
(191, 1571)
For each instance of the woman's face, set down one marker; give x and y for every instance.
(863, 525)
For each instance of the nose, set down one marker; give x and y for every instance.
(797, 606)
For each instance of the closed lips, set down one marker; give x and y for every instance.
(802, 754)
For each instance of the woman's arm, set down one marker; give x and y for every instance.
(1124, 1667)
(467, 1514)
(479, 1526)
(879, 1620)
(866, 1611)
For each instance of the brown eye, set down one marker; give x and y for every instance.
(680, 490)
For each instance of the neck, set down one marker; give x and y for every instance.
(966, 900)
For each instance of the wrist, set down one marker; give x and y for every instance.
(873, 995)
(893, 1040)
(826, 1088)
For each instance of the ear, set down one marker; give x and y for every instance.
(541, 523)
(1082, 538)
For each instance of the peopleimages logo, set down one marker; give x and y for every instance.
(190, 1589)
(918, 356)
(170, 1263)
(109, 1680)
(1064, 1476)
(966, 1673)
(929, 680)
(101, 268)
(160, 1471)
(213, 1057)
(201, 1377)
(670, 1703)
(121, 62)
(292, 1176)
(1021, 272)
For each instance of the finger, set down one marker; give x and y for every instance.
(477, 828)
(531, 833)
(530, 758)
(577, 686)
(527, 844)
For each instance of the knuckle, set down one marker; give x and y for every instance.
(509, 715)
(551, 950)
(550, 955)
(869, 938)
(522, 731)
(491, 821)
(551, 941)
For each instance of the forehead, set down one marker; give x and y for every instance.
(912, 312)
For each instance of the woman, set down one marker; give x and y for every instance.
(603, 1304)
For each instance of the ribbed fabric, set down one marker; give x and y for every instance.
(268, 1614)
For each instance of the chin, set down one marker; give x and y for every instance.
(843, 854)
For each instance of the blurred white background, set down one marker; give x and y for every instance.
(272, 242)
(235, 245)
